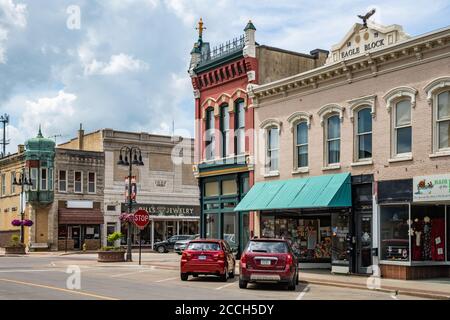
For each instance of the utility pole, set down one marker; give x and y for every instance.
(5, 120)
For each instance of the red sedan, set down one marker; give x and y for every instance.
(268, 260)
(207, 257)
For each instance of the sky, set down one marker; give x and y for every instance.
(123, 64)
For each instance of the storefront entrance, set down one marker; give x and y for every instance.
(75, 235)
(364, 244)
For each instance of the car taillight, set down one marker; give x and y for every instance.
(244, 261)
(219, 256)
(186, 255)
(289, 260)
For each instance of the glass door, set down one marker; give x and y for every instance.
(364, 243)
(76, 237)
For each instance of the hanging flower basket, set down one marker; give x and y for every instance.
(16, 223)
(25, 223)
(126, 217)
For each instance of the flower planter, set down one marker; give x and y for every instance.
(15, 250)
(111, 256)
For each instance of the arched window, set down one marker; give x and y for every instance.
(273, 147)
(364, 133)
(224, 130)
(209, 135)
(301, 144)
(402, 128)
(443, 120)
(239, 127)
(333, 139)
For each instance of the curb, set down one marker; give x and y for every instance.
(394, 290)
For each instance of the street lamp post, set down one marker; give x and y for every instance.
(129, 156)
(22, 182)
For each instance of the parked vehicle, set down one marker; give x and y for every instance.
(268, 260)
(166, 245)
(181, 245)
(207, 257)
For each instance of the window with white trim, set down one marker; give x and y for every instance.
(78, 182)
(209, 135)
(240, 127)
(62, 181)
(3, 184)
(333, 139)
(224, 130)
(13, 187)
(301, 144)
(50, 179)
(34, 179)
(91, 182)
(273, 147)
(402, 128)
(363, 133)
(443, 120)
(44, 179)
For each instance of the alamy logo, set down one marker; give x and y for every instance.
(74, 20)
(73, 282)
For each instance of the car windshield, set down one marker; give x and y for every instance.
(267, 246)
(204, 246)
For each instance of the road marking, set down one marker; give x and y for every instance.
(226, 285)
(59, 289)
(130, 273)
(302, 294)
(167, 279)
(26, 271)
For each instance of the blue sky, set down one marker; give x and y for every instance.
(126, 66)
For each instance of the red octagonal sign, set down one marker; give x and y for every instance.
(141, 218)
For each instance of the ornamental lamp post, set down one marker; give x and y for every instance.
(129, 156)
(24, 183)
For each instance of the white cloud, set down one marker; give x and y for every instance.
(11, 15)
(119, 63)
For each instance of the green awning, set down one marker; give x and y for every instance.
(333, 190)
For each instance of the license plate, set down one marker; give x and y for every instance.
(266, 262)
(201, 257)
(264, 277)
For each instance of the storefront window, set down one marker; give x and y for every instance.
(394, 232)
(229, 229)
(229, 187)
(212, 226)
(245, 229)
(159, 231)
(267, 226)
(211, 189)
(428, 233)
(340, 233)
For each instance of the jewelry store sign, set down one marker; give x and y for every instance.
(431, 188)
(166, 210)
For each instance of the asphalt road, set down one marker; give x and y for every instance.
(46, 277)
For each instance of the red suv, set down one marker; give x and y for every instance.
(268, 260)
(207, 257)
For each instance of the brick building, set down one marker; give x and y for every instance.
(224, 123)
(355, 156)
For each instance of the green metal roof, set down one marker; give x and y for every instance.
(324, 191)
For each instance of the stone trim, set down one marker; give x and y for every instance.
(271, 123)
(298, 116)
(357, 103)
(395, 94)
(327, 109)
(435, 85)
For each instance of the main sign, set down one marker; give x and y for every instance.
(431, 188)
(141, 218)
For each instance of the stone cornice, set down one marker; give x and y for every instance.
(413, 47)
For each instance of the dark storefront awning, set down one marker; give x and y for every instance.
(332, 190)
(80, 216)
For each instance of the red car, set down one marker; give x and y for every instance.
(268, 260)
(207, 257)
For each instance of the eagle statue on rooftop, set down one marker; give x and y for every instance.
(366, 17)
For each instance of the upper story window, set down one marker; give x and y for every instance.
(273, 147)
(240, 127)
(333, 139)
(44, 179)
(12, 185)
(364, 134)
(301, 144)
(62, 180)
(209, 135)
(34, 178)
(443, 120)
(438, 96)
(402, 128)
(91, 182)
(3, 184)
(225, 130)
(50, 179)
(78, 182)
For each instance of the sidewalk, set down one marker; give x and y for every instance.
(438, 288)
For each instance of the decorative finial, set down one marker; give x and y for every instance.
(40, 132)
(249, 26)
(200, 28)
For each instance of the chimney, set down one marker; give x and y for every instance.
(320, 55)
(20, 148)
(250, 42)
(81, 137)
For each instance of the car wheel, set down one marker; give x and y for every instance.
(161, 249)
(243, 284)
(224, 276)
(184, 276)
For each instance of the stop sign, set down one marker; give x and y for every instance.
(141, 218)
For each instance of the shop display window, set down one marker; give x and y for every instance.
(427, 233)
(212, 226)
(267, 226)
(340, 233)
(230, 229)
(394, 232)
